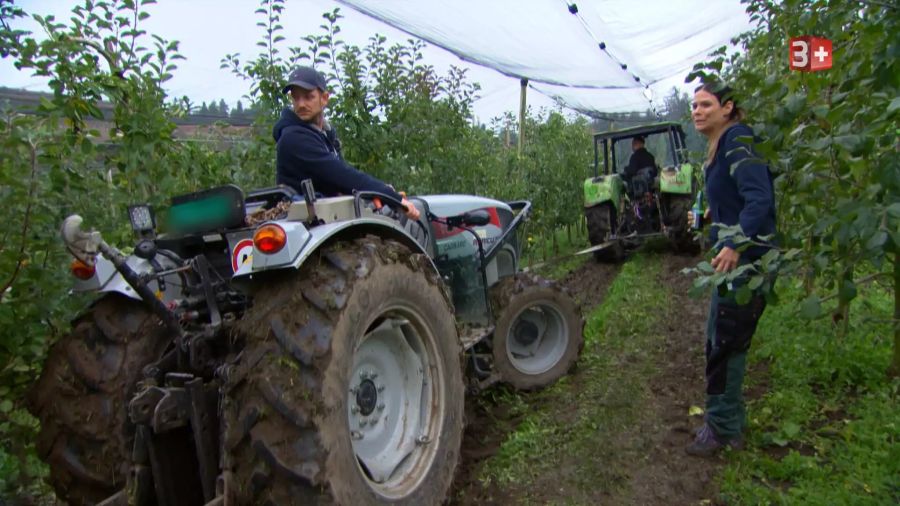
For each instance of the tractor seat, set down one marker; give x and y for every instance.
(267, 198)
(642, 182)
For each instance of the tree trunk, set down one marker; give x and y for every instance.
(543, 247)
(894, 370)
(841, 315)
(809, 275)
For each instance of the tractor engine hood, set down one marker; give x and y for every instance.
(453, 205)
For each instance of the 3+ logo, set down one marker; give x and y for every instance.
(810, 54)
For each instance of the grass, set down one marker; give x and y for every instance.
(575, 427)
(828, 429)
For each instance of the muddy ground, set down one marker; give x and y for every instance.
(664, 475)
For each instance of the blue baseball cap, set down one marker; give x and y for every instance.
(307, 78)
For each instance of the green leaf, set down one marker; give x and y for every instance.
(797, 131)
(743, 295)
(696, 291)
(894, 105)
(894, 210)
(849, 142)
(780, 441)
(756, 282)
(791, 430)
(877, 240)
(706, 268)
(811, 307)
(820, 143)
(6, 406)
(820, 111)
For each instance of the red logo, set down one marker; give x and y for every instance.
(242, 254)
(810, 54)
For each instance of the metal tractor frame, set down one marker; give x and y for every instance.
(219, 330)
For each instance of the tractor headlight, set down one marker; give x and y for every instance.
(142, 219)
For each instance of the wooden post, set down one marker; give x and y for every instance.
(524, 83)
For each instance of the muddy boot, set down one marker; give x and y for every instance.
(696, 430)
(707, 443)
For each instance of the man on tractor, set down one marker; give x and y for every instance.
(307, 146)
(641, 161)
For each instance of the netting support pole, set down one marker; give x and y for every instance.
(524, 83)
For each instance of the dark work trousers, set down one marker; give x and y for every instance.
(729, 330)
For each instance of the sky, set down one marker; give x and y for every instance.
(207, 30)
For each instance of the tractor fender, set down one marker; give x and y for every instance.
(677, 180)
(601, 189)
(302, 243)
(107, 279)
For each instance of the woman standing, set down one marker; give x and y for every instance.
(740, 192)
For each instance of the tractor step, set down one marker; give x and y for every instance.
(471, 335)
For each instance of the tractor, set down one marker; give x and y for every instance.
(621, 212)
(277, 347)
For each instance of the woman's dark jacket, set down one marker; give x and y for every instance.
(739, 190)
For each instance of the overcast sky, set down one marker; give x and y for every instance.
(209, 29)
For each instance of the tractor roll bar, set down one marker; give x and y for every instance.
(523, 207)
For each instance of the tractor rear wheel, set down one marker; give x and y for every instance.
(601, 221)
(682, 237)
(82, 394)
(539, 331)
(349, 388)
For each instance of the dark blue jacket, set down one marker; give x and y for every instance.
(739, 190)
(305, 152)
(640, 159)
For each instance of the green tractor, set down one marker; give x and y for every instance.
(622, 211)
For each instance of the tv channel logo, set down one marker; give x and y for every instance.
(810, 54)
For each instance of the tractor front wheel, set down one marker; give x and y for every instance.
(539, 331)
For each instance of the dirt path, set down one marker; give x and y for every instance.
(668, 475)
(660, 472)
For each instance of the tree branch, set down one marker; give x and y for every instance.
(26, 223)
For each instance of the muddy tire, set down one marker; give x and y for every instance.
(326, 403)
(539, 332)
(600, 221)
(82, 394)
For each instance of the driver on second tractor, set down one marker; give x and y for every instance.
(641, 162)
(307, 146)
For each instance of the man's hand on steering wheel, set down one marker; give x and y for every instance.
(411, 211)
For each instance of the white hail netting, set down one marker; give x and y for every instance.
(658, 41)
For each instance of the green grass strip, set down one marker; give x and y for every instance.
(827, 430)
(578, 423)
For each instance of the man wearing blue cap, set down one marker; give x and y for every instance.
(308, 148)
